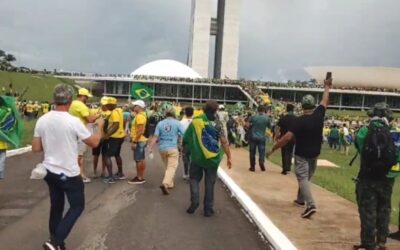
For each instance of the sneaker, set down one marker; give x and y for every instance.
(109, 180)
(192, 208)
(309, 212)
(299, 204)
(209, 212)
(85, 179)
(48, 246)
(164, 190)
(185, 177)
(119, 176)
(136, 180)
(362, 247)
(252, 169)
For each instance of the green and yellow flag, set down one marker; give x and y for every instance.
(203, 141)
(141, 92)
(11, 126)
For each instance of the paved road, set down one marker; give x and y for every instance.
(121, 216)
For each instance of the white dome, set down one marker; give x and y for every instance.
(169, 68)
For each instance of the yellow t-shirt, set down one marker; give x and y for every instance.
(117, 116)
(29, 108)
(140, 119)
(3, 145)
(45, 108)
(80, 110)
(105, 114)
(36, 107)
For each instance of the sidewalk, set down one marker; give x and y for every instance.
(335, 226)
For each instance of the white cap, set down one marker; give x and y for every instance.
(221, 106)
(139, 103)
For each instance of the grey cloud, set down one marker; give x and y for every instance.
(278, 38)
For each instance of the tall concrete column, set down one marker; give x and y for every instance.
(199, 49)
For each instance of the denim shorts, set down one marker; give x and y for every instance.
(139, 153)
(2, 163)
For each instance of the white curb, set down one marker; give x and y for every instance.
(18, 151)
(275, 237)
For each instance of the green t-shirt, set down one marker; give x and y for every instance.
(334, 133)
(259, 124)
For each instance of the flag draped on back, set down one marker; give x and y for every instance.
(11, 126)
(141, 92)
(203, 141)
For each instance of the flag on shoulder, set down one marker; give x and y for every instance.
(11, 126)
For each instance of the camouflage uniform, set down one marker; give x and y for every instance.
(374, 206)
(373, 195)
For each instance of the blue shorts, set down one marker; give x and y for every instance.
(139, 153)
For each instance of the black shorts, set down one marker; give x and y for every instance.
(98, 150)
(112, 147)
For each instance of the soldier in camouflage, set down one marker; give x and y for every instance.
(373, 193)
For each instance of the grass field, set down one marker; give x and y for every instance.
(40, 87)
(338, 180)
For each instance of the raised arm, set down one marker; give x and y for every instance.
(325, 96)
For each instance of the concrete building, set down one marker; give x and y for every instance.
(225, 26)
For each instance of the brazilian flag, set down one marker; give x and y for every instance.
(203, 141)
(141, 92)
(11, 126)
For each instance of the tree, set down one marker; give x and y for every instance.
(2, 53)
(10, 58)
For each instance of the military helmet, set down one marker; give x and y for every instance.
(308, 102)
(381, 109)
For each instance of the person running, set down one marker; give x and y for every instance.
(63, 177)
(258, 125)
(185, 122)
(307, 129)
(79, 109)
(113, 137)
(139, 141)
(167, 133)
(287, 151)
(209, 145)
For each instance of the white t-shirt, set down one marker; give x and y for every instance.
(59, 133)
(345, 131)
(185, 122)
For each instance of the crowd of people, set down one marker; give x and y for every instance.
(198, 137)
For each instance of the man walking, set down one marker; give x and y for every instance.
(167, 133)
(113, 138)
(374, 185)
(185, 122)
(307, 129)
(258, 125)
(223, 116)
(283, 126)
(139, 141)
(79, 109)
(205, 136)
(63, 174)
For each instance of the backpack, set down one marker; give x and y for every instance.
(379, 152)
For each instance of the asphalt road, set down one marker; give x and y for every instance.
(121, 216)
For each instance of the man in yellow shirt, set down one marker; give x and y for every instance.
(113, 138)
(29, 110)
(139, 141)
(79, 109)
(45, 107)
(3, 149)
(36, 109)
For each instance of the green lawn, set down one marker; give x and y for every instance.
(338, 180)
(40, 86)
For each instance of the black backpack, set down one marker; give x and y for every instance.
(379, 152)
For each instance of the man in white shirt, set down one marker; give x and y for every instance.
(223, 117)
(56, 135)
(185, 122)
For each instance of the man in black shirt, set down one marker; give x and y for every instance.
(283, 126)
(307, 129)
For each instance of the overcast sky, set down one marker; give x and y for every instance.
(278, 38)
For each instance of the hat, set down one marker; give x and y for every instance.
(104, 100)
(381, 109)
(85, 92)
(221, 107)
(62, 93)
(139, 103)
(111, 100)
(308, 102)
